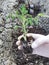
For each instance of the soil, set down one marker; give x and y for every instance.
(25, 57)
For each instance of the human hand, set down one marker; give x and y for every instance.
(35, 36)
(40, 45)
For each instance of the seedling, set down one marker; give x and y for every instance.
(25, 19)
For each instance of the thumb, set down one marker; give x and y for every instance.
(34, 35)
(38, 42)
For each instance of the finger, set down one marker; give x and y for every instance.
(18, 42)
(39, 42)
(35, 36)
(20, 47)
(20, 37)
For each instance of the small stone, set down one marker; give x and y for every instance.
(1, 50)
(0, 36)
(41, 64)
(31, 11)
(9, 62)
(1, 42)
(13, 24)
(14, 63)
(27, 59)
(36, 61)
(6, 53)
(7, 35)
(9, 38)
(30, 64)
(2, 54)
(31, 6)
(16, 4)
(8, 26)
(1, 22)
(8, 44)
(1, 10)
(3, 33)
(8, 20)
(1, 29)
(46, 63)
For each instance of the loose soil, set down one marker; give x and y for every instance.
(25, 57)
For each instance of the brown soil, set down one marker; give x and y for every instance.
(25, 57)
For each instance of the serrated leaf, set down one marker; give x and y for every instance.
(13, 17)
(23, 10)
(17, 12)
(16, 27)
(29, 21)
(35, 21)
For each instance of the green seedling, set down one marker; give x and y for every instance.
(25, 19)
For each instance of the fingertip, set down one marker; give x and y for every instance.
(18, 42)
(29, 34)
(20, 47)
(20, 37)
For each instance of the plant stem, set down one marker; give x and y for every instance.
(24, 29)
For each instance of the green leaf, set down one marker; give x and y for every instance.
(30, 21)
(41, 14)
(35, 21)
(11, 15)
(20, 17)
(23, 10)
(17, 12)
(16, 27)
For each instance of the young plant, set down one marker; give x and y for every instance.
(25, 19)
